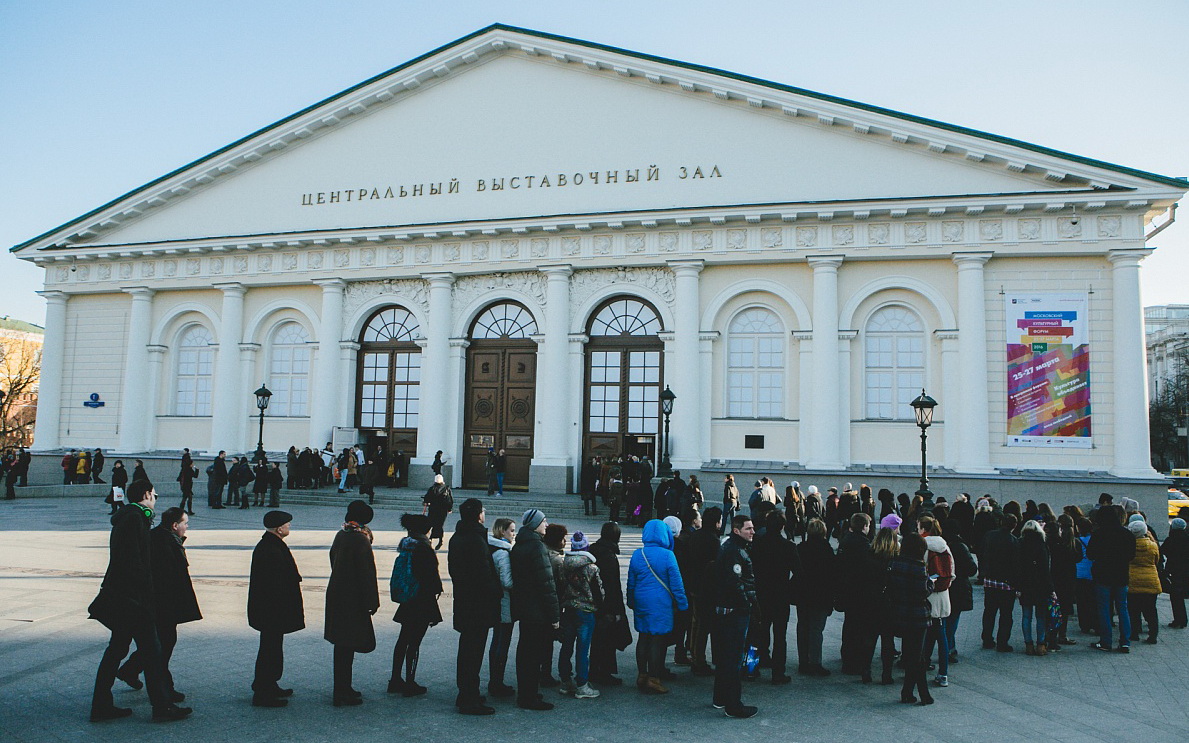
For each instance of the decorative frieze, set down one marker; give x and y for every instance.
(585, 283)
(469, 288)
(414, 292)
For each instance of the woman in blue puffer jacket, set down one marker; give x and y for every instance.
(655, 590)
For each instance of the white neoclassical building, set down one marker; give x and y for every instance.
(519, 240)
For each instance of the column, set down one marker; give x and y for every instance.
(327, 379)
(435, 368)
(549, 470)
(826, 422)
(153, 405)
(575, 405)
(706, 342)
(455, 395)
(133, 420)
(951, 387)
(228, 404)
(349, 370)
(684, 379)
(47, 428)
(846, 383)
(804, 339)
(974, 441)
(1132, 447)
(247, 434)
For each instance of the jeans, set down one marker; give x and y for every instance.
(343, 479)
(650, 654)
(729, 640)
(497, 656)
(232, 495)
(1003, 603)
(1116, 596)
(1041, 620)
(576, 627)
(936, 635)
(951, 630)
(499, 482)
(810, 625)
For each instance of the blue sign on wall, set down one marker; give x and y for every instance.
(94, 401)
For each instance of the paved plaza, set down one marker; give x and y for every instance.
(53, 552)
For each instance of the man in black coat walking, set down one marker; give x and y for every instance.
(274, 607)
(173, 596)
(477, 594)
(535, 605)
(125, 606)
(97, 466)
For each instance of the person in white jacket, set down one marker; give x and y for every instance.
(940, 567)
(503, 534)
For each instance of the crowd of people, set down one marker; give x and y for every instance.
(902, 574)
(14, 468)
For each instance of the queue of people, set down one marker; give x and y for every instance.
(902, 582)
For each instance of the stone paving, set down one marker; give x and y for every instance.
(53, 552)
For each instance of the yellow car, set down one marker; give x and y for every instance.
(1176, 501)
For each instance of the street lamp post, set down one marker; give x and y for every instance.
(667, 398)
(262, 396)
(923, 407)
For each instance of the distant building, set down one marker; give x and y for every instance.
(1166, 332)
(20, 371)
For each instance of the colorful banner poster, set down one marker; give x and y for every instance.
(1048, 370)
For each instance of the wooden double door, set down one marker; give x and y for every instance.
(500, 410)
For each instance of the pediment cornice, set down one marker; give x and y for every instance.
(1050, 167)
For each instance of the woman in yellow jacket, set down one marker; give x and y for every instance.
(1143, 581)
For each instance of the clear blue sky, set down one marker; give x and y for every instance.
(97, 98)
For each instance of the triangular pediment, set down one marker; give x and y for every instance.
(508, 124)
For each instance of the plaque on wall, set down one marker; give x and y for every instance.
(518, 442)
(482, 441)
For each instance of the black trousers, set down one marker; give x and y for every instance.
(214, 494)
(1143, 605)
(701, 622)
(729, 640)
(274, 497)
(187, 503)
(1002, 603)
(650, 654)
(532, 649)
(407, 651)
(144, 634)
(1087, 606)
(778, 630)
(858, 641)
(167, 637)
(915, 662)
(604, 660)
(344, 662)
(270, 662)
(471, 644)
(1177, 598)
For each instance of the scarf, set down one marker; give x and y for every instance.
(362, 529)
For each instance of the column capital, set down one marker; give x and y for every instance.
(53, 296)
(971, 260)
(946, 334)
(232, 289)
(139, 292)
(708, 335)
(1127, 258)
(439, 279)
(666, 336)
(156, 352)
(579, 338)
(557, 272)
(825, 262)
(349, 345)
(538, 338)
(465, 343)
(422, 343)
(331, 285)
(249, 347)
(802, 335)
(847, 335)
(686, 267)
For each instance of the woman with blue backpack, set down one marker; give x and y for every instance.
(416, 586)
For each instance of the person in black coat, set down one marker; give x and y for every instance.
(703, 552)
(291, 467)
(437, 503)
(97, 466)
(858, 581)
(352, 597)
(259, 484)
(961, 592)
(186, 474)
(535, 605)
(125, 606)
(275, 481)
(1111, 549)
(173, 596)
(777, 565)
(138, 472)
(275, 607)
(611, 614)
(999, 565)
(216, 474)
(119, 479)
(477, 594)
(1175, 554)
(420, 613)
(814, 595)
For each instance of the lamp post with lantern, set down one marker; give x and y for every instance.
(923, 407)
(262, 396)
(667, 398)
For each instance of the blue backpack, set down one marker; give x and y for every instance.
(403, 585)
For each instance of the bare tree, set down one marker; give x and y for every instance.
(1168, 410)
(20, 372)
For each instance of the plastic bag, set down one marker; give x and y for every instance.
(751, 659)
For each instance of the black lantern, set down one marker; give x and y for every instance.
(667, 398)
(262, 396)
(923, 407)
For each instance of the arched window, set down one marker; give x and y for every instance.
(755, 365)
(390, 374)
(507, 320)
(625, 317)
(195, 370)
(289, 371)
(894, 359)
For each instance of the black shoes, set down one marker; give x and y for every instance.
(741, 713)
(349, 698)
(500, 691)
(131, 680)
(702, 669)
(109, 713)
(478, 709)
(176, 696)
(172, 713)
(539, 705)
(548, 682)
(263, 700)
(781, 678)
(413, 689)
